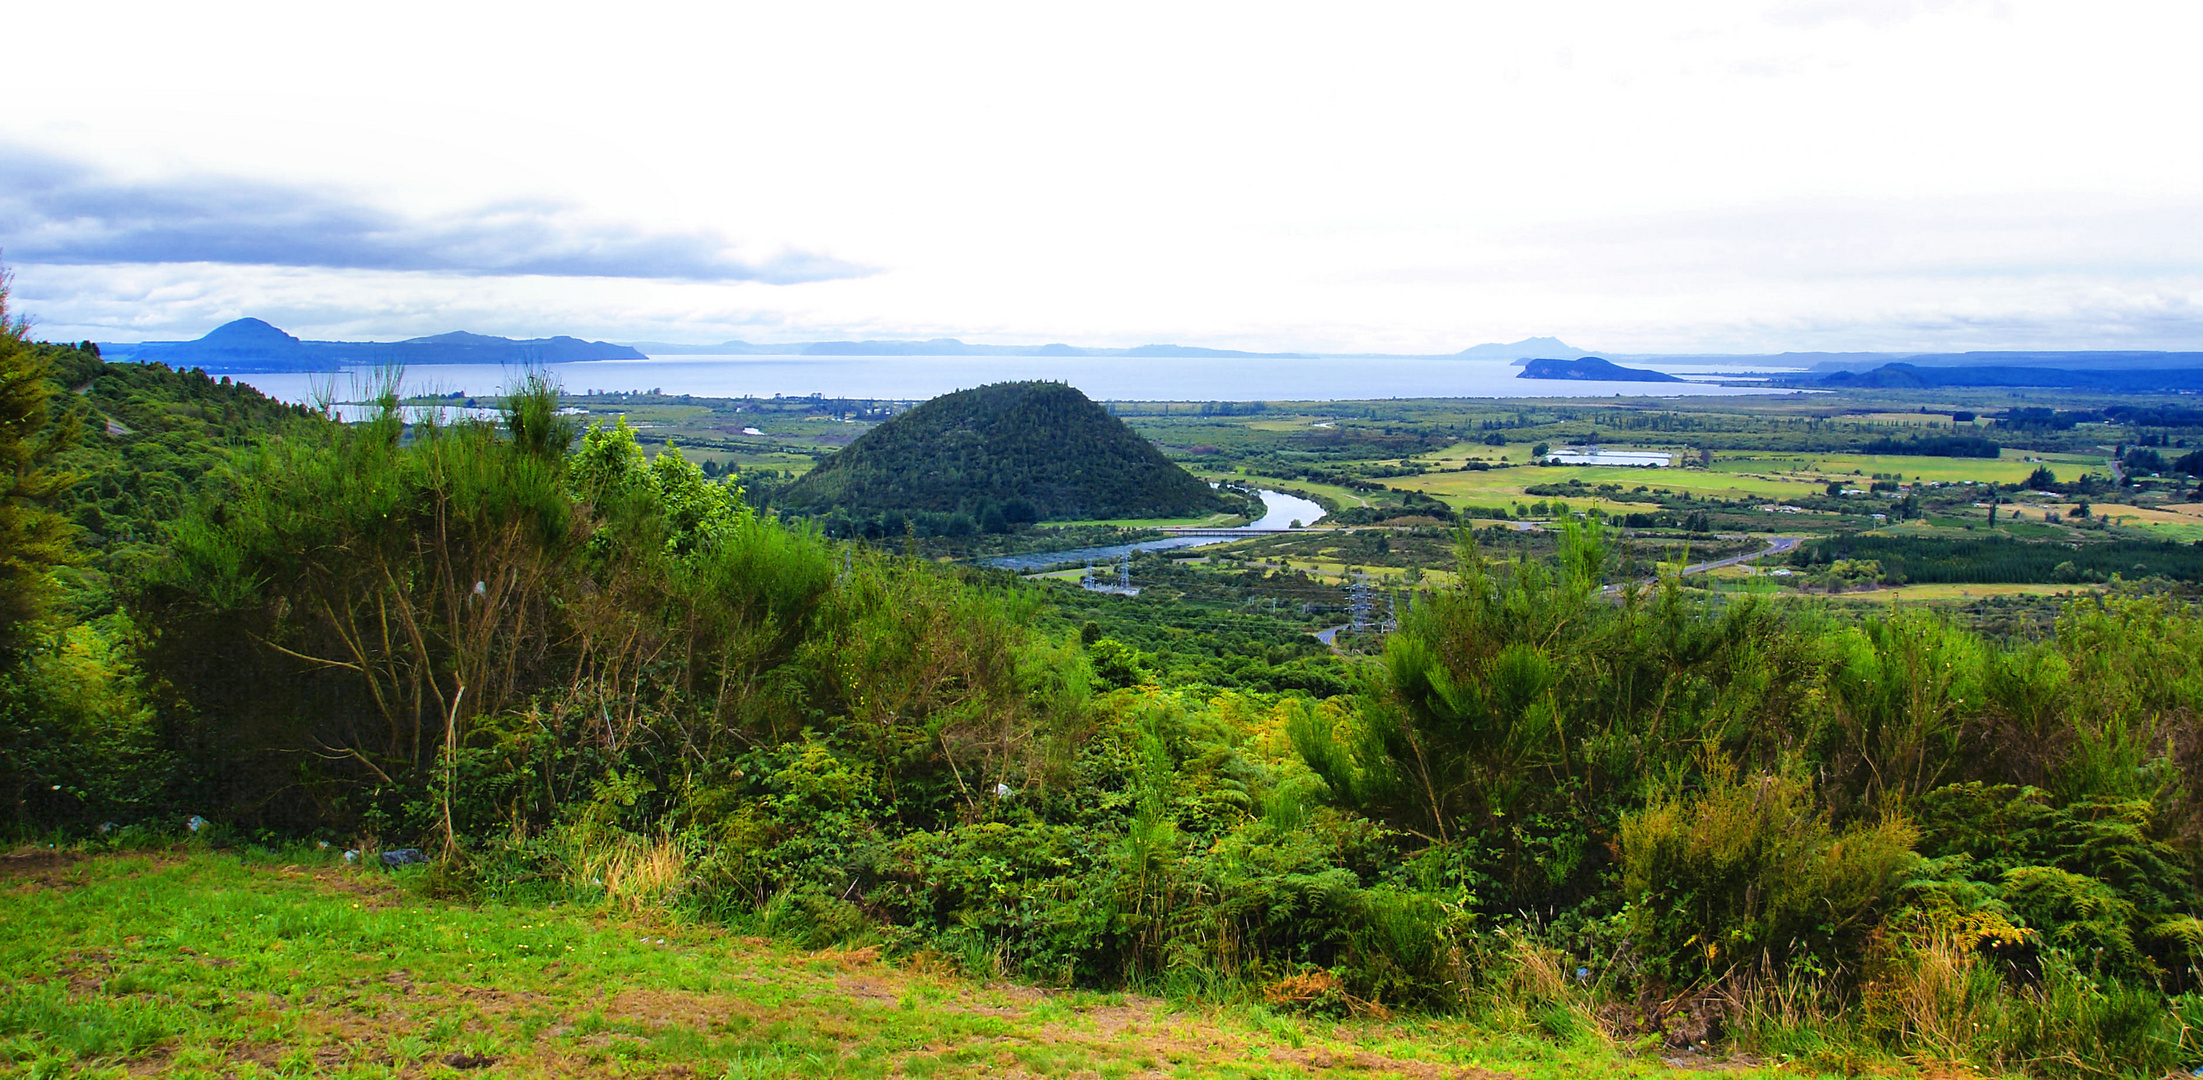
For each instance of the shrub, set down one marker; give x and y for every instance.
(1750, 871)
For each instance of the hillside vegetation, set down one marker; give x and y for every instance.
(1004, 454)
(574, 674)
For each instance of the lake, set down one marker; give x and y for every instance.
(1104, 378)
(1579, 456)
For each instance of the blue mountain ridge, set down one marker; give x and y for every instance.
(251, 345)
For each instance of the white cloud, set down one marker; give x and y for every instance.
(1421, 176)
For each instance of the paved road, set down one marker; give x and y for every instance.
(1776, 545)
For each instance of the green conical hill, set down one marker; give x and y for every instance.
(1041, 442)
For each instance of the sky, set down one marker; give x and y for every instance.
(1873, 175)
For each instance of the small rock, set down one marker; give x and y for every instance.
(403, 857)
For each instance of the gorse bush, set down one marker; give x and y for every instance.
(359, 599)
(1749, 871)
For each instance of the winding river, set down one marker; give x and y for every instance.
(1279, 511)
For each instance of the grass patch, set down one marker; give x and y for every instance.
(210, 965)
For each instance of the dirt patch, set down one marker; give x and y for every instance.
(155, 1063)
(675, 1007)
(1692, 1021)
(1387, 1066)
(867, 988)
(846, 959)
(1133, 1015)
(38, 868)
(378, 892)
(86, 970)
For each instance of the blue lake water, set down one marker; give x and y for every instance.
(1640, 458)
(915, 378)
(1279, 511)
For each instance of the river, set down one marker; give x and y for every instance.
(1279, 511)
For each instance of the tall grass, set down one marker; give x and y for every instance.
(642, 876)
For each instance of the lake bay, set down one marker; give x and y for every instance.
(915, 378)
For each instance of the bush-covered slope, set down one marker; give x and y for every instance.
(150, 434)
(1037, 450)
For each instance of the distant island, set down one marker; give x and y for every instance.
(1003, 455)
(251, 345)
(1591, 369)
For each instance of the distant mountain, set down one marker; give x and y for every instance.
(1915, 376)
(1034, 451)
(1590, 369)
(249, 345)
(935, 347)
(1523, 350)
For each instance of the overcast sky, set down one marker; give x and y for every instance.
(1630, 177)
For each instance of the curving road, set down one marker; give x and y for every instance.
(1776, 545)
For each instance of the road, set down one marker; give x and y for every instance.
(1776, 545)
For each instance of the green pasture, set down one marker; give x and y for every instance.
(1504, 487)
(2186, 532)
(2011, 468)
(745, 462)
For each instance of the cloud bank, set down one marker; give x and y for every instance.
(55, 211)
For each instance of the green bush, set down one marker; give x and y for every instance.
(1750, 870)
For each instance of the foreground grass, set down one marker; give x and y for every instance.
(205, 965)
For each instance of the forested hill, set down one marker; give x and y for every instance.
(147, 438)
(1038, 451)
